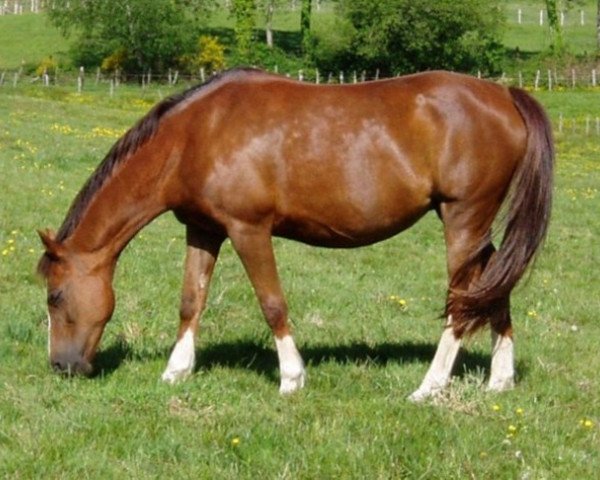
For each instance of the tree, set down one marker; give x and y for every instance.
(149, 34)
(268, 7)
(305, 14)
(400, 36)
(598, 27)
(555, 26)
(244, 13)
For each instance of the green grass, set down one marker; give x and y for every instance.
(530, 37)
(364, 352)
(28, 38)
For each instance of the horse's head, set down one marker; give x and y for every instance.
(80, 303)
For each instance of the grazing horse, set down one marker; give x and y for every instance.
(248, 155)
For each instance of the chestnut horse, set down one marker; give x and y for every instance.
(249, 155)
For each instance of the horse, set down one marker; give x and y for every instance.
(250, 155)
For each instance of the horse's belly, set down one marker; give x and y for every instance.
(341, 230)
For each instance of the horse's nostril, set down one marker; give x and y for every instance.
(57, 366)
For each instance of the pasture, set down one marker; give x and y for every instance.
(366, 321)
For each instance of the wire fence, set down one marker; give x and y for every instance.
(540, 79)
(101, 83)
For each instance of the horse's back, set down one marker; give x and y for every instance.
(349, 164)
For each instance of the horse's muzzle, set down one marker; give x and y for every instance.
(70, 367)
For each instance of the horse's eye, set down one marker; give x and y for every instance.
(55, 298)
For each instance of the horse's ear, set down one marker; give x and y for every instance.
(54, 249)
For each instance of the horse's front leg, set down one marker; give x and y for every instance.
(202, 252)
(255, 249)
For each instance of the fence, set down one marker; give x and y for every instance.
(541, 79)
(18, 7)
(97, 82)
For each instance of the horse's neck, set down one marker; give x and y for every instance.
(126, 202)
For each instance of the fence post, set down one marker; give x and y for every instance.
(560, 123)
(520, 79)
(582, 18)
(80, 79)
(549, 80)
(573, 78)
(2, 78)
(317, 76)
(587, 125)
(541, 18)
(519, 16)
(594, 77)
(537, 80)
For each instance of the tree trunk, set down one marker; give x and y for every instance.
(598, 27)
(269, 22)
(305, 24)
(555, 27)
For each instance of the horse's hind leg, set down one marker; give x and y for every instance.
(202, 252)
(502, 374)
(464, 228)
(254, 247)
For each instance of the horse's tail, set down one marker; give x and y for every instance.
(527, 216)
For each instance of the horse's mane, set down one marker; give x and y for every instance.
(128, 144)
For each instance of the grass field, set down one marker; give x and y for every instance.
(29, 38)
(365, 352)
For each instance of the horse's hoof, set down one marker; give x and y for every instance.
(175, 376)
(422, 394)
(290, 385)
(500, 384)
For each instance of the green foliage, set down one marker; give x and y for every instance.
(153, 32)
(412, 35)
(212, 53)
(331, 41)
(47, 65)
(244, 13)
(115, 61)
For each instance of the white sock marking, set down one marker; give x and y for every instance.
(502, 375)
(438, 375)
(182, 360)
(291, 366)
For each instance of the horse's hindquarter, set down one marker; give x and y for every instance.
(337, 166)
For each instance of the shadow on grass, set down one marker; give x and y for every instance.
(251, 355)
(263, 360)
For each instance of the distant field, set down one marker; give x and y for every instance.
(30, 38)
(364, 350)
(529, 36)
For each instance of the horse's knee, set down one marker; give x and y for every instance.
(189, 307)
(275, 312)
